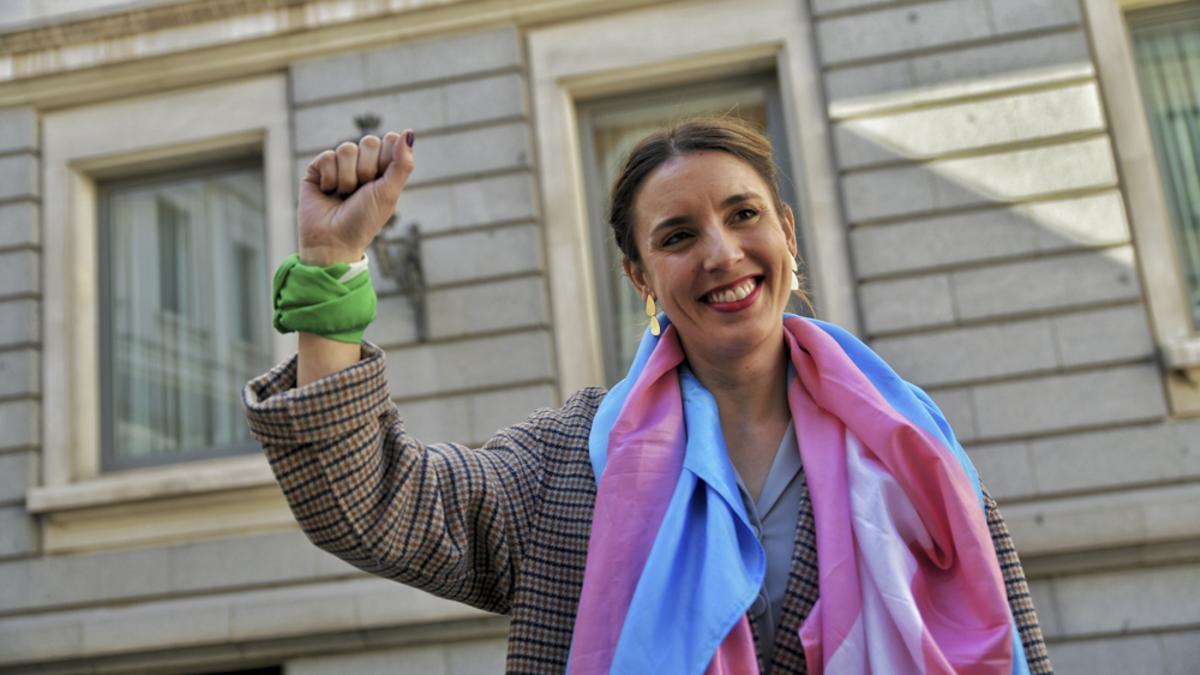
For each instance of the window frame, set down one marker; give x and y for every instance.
(777, 36)
(1146, 202)
(83, 147)
(1155, 16)
(109, 461)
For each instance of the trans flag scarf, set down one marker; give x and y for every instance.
(908, 577)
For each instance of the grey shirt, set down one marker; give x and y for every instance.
(774, 517)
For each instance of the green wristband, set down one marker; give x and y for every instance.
(311, 299)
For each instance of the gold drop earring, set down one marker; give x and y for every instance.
(652, 313)
(795, 275)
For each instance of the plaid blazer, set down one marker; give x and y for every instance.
(503, 528)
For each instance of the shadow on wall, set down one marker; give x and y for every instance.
(991, 239)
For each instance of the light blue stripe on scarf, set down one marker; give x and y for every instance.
(706, 565)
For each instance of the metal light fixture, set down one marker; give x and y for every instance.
(399, 259)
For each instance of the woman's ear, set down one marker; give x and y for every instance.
(789, 230)
(637, 275)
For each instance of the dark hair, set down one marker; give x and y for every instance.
(721, 134)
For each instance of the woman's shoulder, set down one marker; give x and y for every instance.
(574, 416)
(562, 432)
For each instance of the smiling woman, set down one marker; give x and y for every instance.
(760, 492)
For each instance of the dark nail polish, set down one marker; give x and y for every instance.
(410, 138)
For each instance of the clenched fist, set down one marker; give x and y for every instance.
(348, 194)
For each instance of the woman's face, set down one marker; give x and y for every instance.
(715, 253)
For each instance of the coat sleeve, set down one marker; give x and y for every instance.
(444, 518)
(1019, 598)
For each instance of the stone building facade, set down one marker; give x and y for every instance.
(979, 191)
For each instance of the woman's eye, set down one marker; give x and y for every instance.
(746, 214)
(674, 238)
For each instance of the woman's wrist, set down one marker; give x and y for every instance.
(324, 256)
(335, 301)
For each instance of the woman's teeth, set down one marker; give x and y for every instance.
(734, 294)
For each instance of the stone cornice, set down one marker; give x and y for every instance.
(125, 21)
(141, 50)
(131, 34)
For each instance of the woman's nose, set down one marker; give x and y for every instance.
(724, 250)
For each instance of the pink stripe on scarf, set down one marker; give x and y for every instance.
(957, 586)
(645, 454)
(736, 655)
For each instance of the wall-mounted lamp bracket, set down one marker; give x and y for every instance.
(399, 259)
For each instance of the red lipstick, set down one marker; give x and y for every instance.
(737, 305)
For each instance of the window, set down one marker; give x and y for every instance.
(183, 279)
(1145, 54)
(1166, 47)
(609, 128)
(162, 218)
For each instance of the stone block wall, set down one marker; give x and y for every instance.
(20, 327)
(476, 656)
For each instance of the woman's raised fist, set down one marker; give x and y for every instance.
(348, 194)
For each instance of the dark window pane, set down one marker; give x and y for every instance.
(186, 260)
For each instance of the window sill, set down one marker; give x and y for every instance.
(193, 478)
(161, 506)
(1181, 371)
(1182, 354)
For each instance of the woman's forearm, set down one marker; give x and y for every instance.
(345, 198)
(320, 356)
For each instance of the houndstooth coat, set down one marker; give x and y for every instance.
(503, 528)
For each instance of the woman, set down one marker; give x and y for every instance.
(756, 495)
